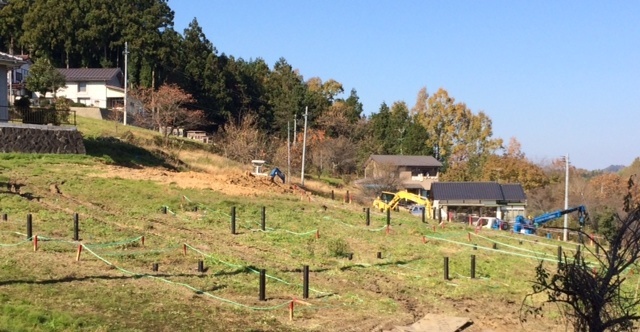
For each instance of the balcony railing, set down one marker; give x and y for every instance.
(422, 177)
(44, 116)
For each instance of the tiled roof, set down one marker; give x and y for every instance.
(397, 160)
(89, 74)
(477, 191)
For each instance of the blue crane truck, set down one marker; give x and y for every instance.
(529, 226)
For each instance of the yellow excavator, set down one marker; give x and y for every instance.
(389, 201)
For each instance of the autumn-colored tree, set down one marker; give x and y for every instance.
(455, 133)
(165, 109)
(243, 141)
(514, 167)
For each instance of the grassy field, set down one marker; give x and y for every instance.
(362, 278)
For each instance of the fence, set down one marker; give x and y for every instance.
(39, 115)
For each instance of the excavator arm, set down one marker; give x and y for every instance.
(400, 195)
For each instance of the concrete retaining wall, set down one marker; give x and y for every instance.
(91, 112)
(40, 139)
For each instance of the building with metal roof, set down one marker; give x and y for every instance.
(485, 199)
(412, 173)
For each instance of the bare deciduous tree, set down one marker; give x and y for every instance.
(243, 141)
(165, 109)
(592, 294)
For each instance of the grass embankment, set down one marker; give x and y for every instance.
(113, 286)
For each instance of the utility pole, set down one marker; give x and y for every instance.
(566, 198)
(126, 53)
(288, 153)
(295, 132)
(304, 144)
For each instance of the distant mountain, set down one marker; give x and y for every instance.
(613, 169)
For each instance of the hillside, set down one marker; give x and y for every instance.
(140, 203)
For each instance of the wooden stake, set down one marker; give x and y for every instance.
(79, 251)
(142, 240)
(291, 310)
(184, 249)
(317, 234)
(35, 243)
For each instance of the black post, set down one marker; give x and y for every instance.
(76, 228)
(475, 246)
(559, 256)
(350, 256)
(473, 266)
(263, 218)
(233, 220)
(4, 217)
(388, 216)
(346, 198)
(368, 214)
(440, 217)
(495, 245)
(424, 211)
(164, 209)
(200, 266)
(29, 226)
(305, 282)
(446, 268)
(154, 268)
(597, 250)
(263, 281)
(379, 255)
(332, 196)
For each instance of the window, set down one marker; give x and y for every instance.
(82, 86)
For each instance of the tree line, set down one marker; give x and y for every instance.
(256, 108)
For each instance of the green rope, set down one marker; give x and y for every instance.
(250, 269)
(196, 290)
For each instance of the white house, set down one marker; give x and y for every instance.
(99, 87)
(7, 63)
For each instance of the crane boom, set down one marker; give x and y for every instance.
(528, 226)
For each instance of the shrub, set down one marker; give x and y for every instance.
(338, 247)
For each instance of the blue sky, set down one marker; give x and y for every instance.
(563, 77)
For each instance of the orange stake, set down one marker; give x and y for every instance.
(79, 251)
(184, 249)
(424, 239)
(35, 243)
(317, 233)
(291, 310)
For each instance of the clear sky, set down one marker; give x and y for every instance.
(563, 77)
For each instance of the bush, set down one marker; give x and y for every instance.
(338, 248)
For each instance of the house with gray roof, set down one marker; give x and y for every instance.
(98, 87)
(412, 173)
(457, 200)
